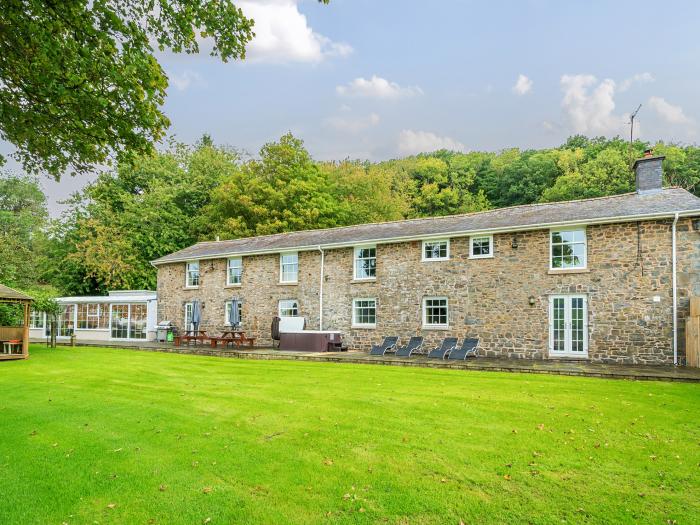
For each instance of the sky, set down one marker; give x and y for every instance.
(380, 79)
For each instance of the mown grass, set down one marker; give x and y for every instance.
(117, 436)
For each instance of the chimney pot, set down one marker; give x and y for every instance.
(649, 173)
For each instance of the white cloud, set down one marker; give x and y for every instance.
(522, 86)
(182, 81)
(638, 78)
(377, 87)
(353, 124)
(668, 112)
(282, 34)
(589, 105)
(412, 142)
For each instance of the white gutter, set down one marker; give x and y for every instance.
(443, 235)
(675, 294)
(320, 291)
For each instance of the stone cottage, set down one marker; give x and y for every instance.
(605, 279)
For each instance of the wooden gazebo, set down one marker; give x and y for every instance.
(14, 340)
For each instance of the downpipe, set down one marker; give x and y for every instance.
(675, 292)
(320, 291)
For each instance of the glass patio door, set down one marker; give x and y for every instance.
(568, 326)
(128, 321)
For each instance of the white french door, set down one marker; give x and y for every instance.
(568, 326)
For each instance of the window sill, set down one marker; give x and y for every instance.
(564, 271)
(363, 326)
(290, 283)
(481, 256)
(233, 285)
(369, 280)
(190, 288)
(441, 259)
(436, 327)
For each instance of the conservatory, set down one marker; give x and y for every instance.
(121, 315)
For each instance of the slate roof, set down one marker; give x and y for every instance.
(8, 293)
(617, 208)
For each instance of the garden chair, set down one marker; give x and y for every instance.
(414, 344)
(387, 344)
(468, 349)
(448, 344)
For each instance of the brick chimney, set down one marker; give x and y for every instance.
(648, 173)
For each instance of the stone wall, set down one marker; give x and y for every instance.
(628, 286)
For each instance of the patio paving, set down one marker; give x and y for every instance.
(530, 366)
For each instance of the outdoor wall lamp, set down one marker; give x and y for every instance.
(514, 242)
(531, 300)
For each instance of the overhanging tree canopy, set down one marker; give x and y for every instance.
(79, 82)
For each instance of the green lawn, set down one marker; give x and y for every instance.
(118, 436)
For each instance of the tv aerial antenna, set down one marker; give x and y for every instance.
(632, 117)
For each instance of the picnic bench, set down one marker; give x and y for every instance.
(196, 336)
(237, 338)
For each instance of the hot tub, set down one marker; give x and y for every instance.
(311, 340)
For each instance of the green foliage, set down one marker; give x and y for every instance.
(166, 201)
(142, 211)
(285, 190)
(79, 80)
(23, 216)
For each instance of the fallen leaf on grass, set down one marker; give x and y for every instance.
(162, 488)
(540, 426)
(206, 490)
(328, 461)
(506, 477)
(207, 520)
(111, 505)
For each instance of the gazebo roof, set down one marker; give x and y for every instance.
(8, 294)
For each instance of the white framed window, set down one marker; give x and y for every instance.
(227, 313)
(435, 312)
(234, 271)
(289, 308)
(567, 249)
(481, 246)
(92, 316)
(36, 319)
(289, 267)
(436, 250)
(364, 313)
(192, 274)
(365, 263)
(189, 309)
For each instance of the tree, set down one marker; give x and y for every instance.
(141, 211)
(282, 191)
(607, 174)
(45, 302)
(23, 216)
(79, 83)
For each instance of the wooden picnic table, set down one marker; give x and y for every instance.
(236, 337)
(189, 336)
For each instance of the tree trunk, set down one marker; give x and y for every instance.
(53, 331)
